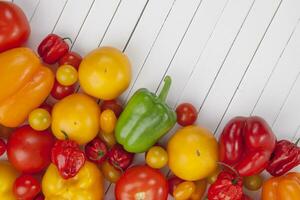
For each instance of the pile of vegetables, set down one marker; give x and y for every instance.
(64, 150)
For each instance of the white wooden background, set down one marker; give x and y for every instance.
(227, 57)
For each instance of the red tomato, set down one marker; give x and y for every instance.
(46, 107)
(2, 147)
(26, 187)
(141, 182)
(173, 181)
(60, 91)
(14, 26)
(28, 150)
(186, 114)
(113, 105)
(71, 58)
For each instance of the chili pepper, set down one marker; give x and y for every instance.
(285, 157)
(119, 157)
(285, 187)
(96, 150)
(145, 119)
(2, 147)
(228, 186)
(52, 48)
(68, 158)
(247, 143)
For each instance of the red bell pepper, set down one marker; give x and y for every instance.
(68, 158)
(52, 48)
(96, 150)
(119, 157)
(228, 186)
(14, 26)
(247, 143)
(285, 157)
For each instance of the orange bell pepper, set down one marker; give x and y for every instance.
(282, 188)
(24, 84)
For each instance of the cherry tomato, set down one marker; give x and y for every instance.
(108, 138)
(108, 121)
(119, 157)
(96, 150)
(113, 105)
(71, 58)
(253, 182)
(214, 176)
(141, 182)
(173, 181)
(66, 75)
(40, 196)
(110, 173)
(26, 187)
(200, 190)
(186, 114)
(39, 119)
(5, 131)
(46, 107)
(157, 157)
(2, 147)
(60, 91)
(28, 150)
(184, 190)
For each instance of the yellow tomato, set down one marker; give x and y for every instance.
(193, 153)
(108, 121)
(213, 176)
(39, 119)
(110, 173)
(87, 184)
(199, 190)
(76, 116)
(66, 75)
(157, 157)
(105, 73)
(108, 138)
(8, 176)
(184, 190)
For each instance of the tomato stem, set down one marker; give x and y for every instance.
(229, 167)
(65, 134)
(297, 142)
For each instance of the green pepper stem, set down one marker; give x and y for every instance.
(297, 142)
(165, 90)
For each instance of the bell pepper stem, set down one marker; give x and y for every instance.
(297, 142)
(165, 90)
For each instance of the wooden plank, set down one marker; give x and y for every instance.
(166, 44)
(265, 60)
(95, 25)
(237, 61)
(44, 19)
(28, 6)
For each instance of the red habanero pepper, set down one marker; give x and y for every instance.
(285, 157)
(68, 158)
(96, 150)
(247, 143)
(52, 48)
(119, 157)
(228, 186)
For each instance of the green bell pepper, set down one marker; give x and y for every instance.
(145, 119)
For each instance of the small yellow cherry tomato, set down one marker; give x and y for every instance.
(8, 175)
(108, 138)
(157, 157)
(108, 121)
(39, 119)
(253, 182)
(213, 177)
(66, 75)
(184, 190)
(110, 173)
(200, 190)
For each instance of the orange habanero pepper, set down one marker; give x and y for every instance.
(285, 187)
(24, 84)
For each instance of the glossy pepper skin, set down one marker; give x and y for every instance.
(24, 85)
(285, 157)
(52, 48)
(96, 150)
(67, 157)
(285, 187)
(87, 184)
(227, 186)
(14, 26)
(145, 119)
(247, 143)
(119, 158)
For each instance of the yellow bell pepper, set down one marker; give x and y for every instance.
(86, 185)
(24, 84)
(8, 176)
